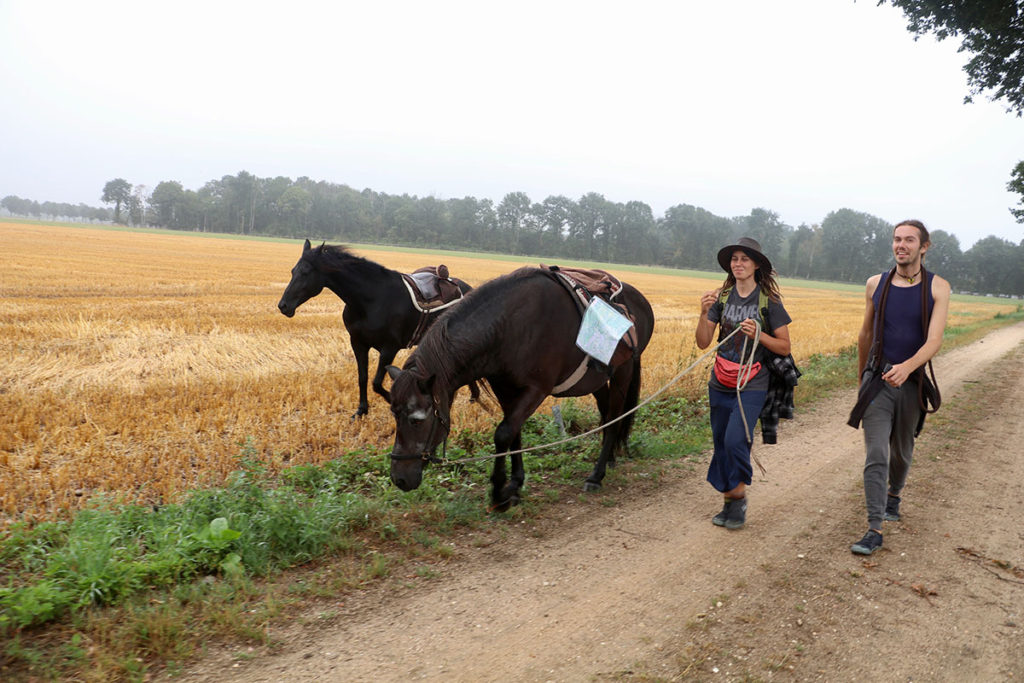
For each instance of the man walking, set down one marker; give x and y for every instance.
(904, 319)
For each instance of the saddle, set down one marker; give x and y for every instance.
(587, 284)
(431, 290)
(583, 285)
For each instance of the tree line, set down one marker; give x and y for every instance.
(847, 246)
(17, 206)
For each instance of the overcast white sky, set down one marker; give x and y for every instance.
(801, 107)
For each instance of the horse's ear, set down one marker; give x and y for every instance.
(393, 372)
(306, 246)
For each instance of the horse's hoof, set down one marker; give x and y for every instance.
(510, 499)
(590, 486)
(358, 414)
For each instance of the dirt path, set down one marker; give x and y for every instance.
(651, 590)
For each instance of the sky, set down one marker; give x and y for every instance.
(801, 107)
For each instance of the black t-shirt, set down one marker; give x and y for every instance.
(728, 316)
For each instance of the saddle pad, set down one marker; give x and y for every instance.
(597, 282)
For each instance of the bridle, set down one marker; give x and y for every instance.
(426, 455)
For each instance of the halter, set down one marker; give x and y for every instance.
(426, 456)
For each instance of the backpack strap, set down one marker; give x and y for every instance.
(879, 323)
(762, 305)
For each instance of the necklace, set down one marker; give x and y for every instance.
(909, 278)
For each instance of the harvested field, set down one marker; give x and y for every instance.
(139, 364)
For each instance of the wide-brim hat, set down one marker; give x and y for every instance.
(750, 247)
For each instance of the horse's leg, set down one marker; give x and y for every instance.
(498, 479)
(505, 492)
(601, 397)
(517, 405)
(631, 402)
(362, 353)
(615, 397)
(386, 357)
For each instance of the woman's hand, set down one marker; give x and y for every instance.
(705, 328)
(707, 300)
(749, 328)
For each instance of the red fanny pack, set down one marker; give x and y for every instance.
(728, 372)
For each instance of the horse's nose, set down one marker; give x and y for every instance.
(284, 308)
(407, 481)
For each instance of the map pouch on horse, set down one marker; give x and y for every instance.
(586, 286)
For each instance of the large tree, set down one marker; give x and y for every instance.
(992, 31)
(514, 218)
(857, 245)
(168, 200)
(119, 193)
(1016, 184)
(768, 229)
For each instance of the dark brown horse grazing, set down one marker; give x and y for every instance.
(378, 314)
(518, 332)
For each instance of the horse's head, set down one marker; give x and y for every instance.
(422, 420)
(307, 281)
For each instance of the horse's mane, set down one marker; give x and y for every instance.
(336, 257)
(452, 343)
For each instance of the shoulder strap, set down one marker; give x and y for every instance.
(883, 299)
(926, 286)
(762, 304)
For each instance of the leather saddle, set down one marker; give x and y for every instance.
(431, 288)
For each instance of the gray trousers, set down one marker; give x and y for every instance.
(889, 423)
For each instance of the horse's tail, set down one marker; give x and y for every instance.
(476, 396)
(632, 398)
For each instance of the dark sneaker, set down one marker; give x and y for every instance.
(719, 519)
(892, 508)
(737, 515)
(871, 542)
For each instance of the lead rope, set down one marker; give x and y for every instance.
(745, 372)
(749, 366)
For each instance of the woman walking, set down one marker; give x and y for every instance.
(750, 293)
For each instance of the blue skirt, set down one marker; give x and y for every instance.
(730, 464)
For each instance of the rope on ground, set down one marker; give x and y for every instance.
(744, 372)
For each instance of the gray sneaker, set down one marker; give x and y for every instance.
(892, 508)
(737, 516)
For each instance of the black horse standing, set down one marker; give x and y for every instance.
(379, 312)
(518, 332)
